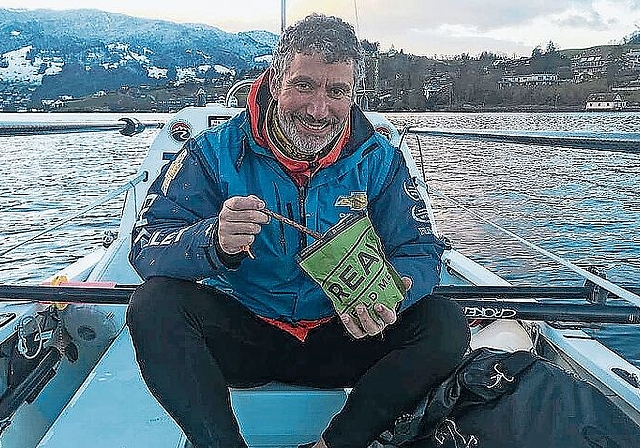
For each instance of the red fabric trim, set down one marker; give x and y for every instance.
(253, 106)
(301, 329)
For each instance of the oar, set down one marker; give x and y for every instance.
(476, 309)
(118, 295)
(519, 292)
(622, 141)
(556, 312)
(126, 126)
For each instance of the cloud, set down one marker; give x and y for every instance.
(418, 26)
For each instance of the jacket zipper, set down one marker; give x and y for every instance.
(283, 242)
(302, 195)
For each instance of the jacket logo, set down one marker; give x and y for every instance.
(356, 201)
(173, 170)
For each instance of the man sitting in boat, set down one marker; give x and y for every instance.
(224, 302)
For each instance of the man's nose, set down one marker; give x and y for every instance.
(318, 106)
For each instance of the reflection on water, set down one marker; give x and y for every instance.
(582, 205)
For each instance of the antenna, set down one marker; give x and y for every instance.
(355, 8)
(283, 16)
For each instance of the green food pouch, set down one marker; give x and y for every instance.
(348, 263)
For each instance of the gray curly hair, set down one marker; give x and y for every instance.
(328, 36)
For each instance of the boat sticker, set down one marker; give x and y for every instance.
(384, 131)
(180, 130)
(215, 120)
(356, 201)
(173, 170)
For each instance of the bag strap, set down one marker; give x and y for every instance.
(510, 367)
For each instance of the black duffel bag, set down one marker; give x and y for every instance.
(498, 399)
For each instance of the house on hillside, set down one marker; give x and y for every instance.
(589, 63)
(532, 79)
(605, 102)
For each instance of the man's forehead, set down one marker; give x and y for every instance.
(315, 65)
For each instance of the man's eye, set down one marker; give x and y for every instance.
(337, 93)
(304, 87)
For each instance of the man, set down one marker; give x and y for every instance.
(224, 302)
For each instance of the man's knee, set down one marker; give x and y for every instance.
(153, 305)
(442, 321)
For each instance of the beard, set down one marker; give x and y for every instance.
(308, 145)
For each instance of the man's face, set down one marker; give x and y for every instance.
(314, 101)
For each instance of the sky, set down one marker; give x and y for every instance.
(422, 27)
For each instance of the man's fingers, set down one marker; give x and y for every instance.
(239, 221)
(407, 282)
(388, 316)
(236, 243)
(244, 228)
(239, 203)
(352, 326)
(370, 326)
(361, 324)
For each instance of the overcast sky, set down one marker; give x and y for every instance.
(425, 27)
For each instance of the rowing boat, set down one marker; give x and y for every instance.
(68, 371)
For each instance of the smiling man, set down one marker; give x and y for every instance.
(225, 303)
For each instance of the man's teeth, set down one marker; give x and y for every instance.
(315, 126)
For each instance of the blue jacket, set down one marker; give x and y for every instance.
(175, 232)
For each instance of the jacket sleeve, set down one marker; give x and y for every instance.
(174, 235)
(401, 219)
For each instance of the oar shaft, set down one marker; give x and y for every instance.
(127, 126)
(559, 312)
(67, 294)
(474, 309)
(518, 292)
(512, 292)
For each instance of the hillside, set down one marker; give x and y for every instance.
(92, 60)
(49, 55)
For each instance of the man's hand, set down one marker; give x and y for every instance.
(239, 222)
(362, 324)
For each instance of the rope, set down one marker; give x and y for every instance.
(23, 347)
(604, 283)
(126, 186)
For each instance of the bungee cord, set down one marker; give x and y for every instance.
(602, 282)
(106, 198)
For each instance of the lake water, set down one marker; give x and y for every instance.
(581, 205)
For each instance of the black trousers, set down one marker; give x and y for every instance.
(192, 342)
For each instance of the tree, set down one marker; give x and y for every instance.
(537, 52)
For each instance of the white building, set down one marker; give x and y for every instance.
(533, 79)
(605, 102)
